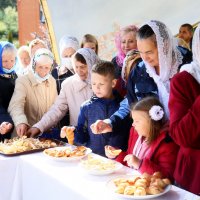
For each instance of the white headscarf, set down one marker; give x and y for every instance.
(67, 42)
(169, 60)
(194, 67)
(91, 59)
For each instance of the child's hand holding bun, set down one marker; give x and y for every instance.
(68, 132)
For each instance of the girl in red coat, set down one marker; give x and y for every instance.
(184, 107)
(150, 149)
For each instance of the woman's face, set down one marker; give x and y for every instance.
(128, 42)
(36, 47)
(141, 122)
(90, 45)
(81, 69)
(8, 59)
(68, 52)
(42, 69)
(24, 58)
(148, 51)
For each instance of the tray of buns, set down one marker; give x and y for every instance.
(23, 145)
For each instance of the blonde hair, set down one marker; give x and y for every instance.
(90, 38)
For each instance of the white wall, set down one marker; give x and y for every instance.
(104, 17)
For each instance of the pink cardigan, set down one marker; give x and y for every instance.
(73, 93)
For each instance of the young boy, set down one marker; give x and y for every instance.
(102, 105)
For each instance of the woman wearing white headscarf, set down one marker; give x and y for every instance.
(161, 59)
(74, 91)
(68, 45)
(34, 92)
(184, 107)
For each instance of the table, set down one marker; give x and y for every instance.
(34, 177)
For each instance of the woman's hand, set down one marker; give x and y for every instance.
(5, 127)
(100, 126)
(132, 161)
(22, 129)
(33, 132)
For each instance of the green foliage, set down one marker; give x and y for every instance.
(5, 3)
(8, 23)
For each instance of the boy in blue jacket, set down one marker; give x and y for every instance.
(102, 105)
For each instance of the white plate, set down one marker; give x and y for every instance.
(101, 172)
(111, 188)
(67, 159)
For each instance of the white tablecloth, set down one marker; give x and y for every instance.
(34, 177)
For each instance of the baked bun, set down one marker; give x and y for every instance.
(112, 151)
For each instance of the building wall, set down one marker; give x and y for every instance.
(28, 19)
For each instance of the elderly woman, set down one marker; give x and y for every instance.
(34, 92)
(24, 60)
(68, 45)
(8, 76)
(75, 90)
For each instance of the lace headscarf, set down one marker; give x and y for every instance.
(91, 59)
(194, 67)
(169, 60)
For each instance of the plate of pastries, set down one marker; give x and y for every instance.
(67, 153)
(143, 186)
(98, 165)
(24, 145)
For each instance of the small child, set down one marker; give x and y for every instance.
(150, 148)
(103, 104)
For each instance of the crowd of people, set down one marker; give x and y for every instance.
(146, 101)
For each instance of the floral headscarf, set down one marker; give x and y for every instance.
(169, 60)
(194, 67)
(91, 59)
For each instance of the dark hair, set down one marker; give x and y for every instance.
(80, 58)
(104, 68)
(189, 27)
(146, 32)
(145, 105)
(92, 39)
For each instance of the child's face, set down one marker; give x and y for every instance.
(90, 45)
(102, 85)
(81, 69)
(141, 122)
(8, 60)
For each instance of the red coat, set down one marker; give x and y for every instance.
(184, 106)
(161, 157)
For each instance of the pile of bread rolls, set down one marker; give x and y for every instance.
(141, 185)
